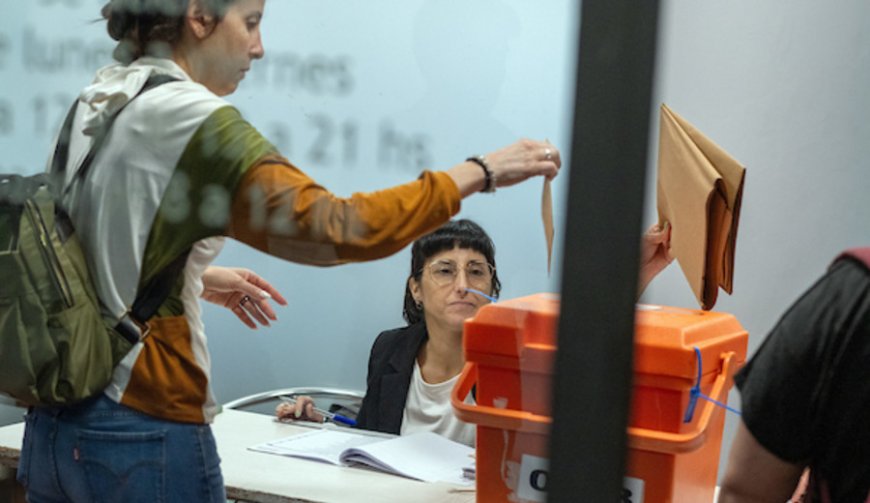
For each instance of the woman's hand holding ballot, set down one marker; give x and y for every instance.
(654, 254)
(242, 292)
(520, 160)
(507, 166)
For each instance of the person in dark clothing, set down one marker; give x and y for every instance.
(806, 397)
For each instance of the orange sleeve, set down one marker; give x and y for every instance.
(279, 210)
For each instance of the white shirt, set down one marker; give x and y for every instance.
(428, 408)
(115, 228)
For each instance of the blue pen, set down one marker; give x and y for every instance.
(478, 292)
(329, 416)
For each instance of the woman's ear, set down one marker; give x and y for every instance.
(199, 20)
(414, 287)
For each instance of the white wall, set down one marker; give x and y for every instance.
(361, 95)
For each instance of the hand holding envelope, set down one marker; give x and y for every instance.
(699, 191)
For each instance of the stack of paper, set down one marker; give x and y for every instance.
(700, 188)
(423, 456)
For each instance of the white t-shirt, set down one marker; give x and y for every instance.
(428, 408)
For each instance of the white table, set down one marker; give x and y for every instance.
(10, 449)
(255, 476)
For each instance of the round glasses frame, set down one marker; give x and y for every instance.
(477, 274)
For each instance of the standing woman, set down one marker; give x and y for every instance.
(180, 169)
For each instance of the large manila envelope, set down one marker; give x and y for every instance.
(699, 190)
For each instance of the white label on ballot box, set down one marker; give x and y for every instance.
(632, 490)
(533, 478)
(533, 482)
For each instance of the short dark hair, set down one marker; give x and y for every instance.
(461, 233)
(140, 26)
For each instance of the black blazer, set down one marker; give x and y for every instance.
(391, 365)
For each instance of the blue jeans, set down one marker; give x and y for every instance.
(102, 451)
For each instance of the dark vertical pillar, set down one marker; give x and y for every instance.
(599, 275)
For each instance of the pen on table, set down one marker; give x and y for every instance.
(328, 416)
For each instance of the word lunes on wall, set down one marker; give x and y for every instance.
(42, 68)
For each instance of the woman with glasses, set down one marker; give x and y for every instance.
(412, 369)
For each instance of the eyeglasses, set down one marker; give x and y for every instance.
(477, 274)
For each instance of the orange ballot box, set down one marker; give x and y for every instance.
(674, 433)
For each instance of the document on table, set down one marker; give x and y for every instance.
(699, 191)
(422, 456)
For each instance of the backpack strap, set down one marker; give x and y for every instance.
(132, 324)
(861, 255)
(61, 153)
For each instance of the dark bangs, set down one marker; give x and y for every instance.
(461, 233)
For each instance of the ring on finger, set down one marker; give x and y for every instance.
(548, 154)
(244, 300)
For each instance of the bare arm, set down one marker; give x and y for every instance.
(755, 475)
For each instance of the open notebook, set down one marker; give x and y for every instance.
(700, 188)
(423, 456)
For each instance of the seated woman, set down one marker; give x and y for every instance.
(413, 369)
